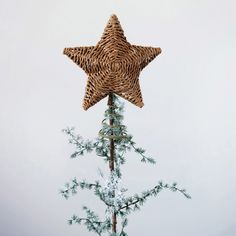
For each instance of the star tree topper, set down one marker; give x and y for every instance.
(112, 66)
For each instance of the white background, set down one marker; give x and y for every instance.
(188, 122)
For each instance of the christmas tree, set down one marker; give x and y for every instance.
(113, 67)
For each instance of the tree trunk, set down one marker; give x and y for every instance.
(112, 157)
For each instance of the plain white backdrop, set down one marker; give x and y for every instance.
(188, 122)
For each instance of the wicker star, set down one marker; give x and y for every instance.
(112, 66)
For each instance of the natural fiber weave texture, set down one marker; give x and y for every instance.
(112, 66)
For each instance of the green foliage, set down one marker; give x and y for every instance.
(123, 141)
(110, 191)
(135, 202)
(92, 222)
(81, 145)
(71, 188)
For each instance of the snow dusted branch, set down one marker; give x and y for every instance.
(92, 222)
(81, 145)
(72, 188)
(138, 200)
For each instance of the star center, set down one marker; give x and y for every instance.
(115, 66)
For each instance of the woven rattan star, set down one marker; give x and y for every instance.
(112, 66)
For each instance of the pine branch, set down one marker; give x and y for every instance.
(124, 223)
(81, 145)
(138, 200)
(102, 148)
(72, 188)
(92, 222)
(141, 151)
(91, 225)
